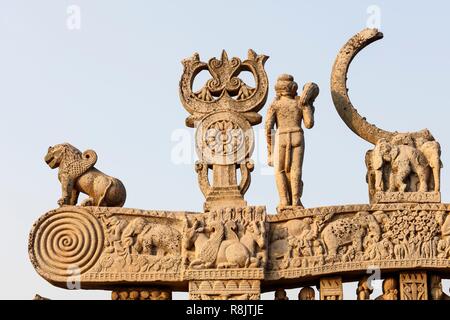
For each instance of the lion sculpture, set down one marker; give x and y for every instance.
(78, 174)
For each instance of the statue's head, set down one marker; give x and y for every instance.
(286, 86)
(390, 290)
(280, 294)
(385, 148)
(306, 293)
(57, 153)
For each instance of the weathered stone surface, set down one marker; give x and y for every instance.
(224, 290)
(233, 250)
(413, 286)
(223, 111)
(78, 174)
(286, 147)
(331, 289)
(141, 294)
(236, 243)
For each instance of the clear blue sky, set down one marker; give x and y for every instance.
(113, 86)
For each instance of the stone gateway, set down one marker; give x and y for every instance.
(233, 250)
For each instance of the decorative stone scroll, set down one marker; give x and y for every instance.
(413, 286)
(223, 111)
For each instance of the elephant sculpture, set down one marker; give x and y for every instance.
(363, 227)
(432, 152)
(396, 166)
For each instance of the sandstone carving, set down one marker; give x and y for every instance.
(331, 289)
(307, 293)
(237, 243)
(351, 231)
(224, 290)
(223, 111)
(78, 174)
(390, 289)
(413, 286)
(141, 294)
(364, 289)
(287, 112)
(235, 251)
(137, 245)
(404, 162)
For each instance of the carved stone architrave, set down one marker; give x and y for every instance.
(331, 288)
(141, 294)
(239, 289)
(413, 285)
(143, 248)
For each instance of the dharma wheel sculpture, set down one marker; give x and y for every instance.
(233, 250)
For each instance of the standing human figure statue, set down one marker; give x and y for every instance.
(287, 112)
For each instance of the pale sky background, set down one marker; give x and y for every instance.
(113, 86)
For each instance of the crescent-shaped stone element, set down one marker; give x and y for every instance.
(339, 91)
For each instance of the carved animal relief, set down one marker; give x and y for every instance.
(235, 251)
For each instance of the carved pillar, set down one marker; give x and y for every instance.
(141, 294)
(224, 290)
(413, 286)
(331, 288)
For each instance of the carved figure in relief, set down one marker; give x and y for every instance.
(159, 238)
(404, 161)
(287, 112)
(230, 244)
(352, 231)
(207, 255)
(194, 237)
(78, 174)
(431, 149)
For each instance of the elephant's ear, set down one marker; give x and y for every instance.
(394, 152)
